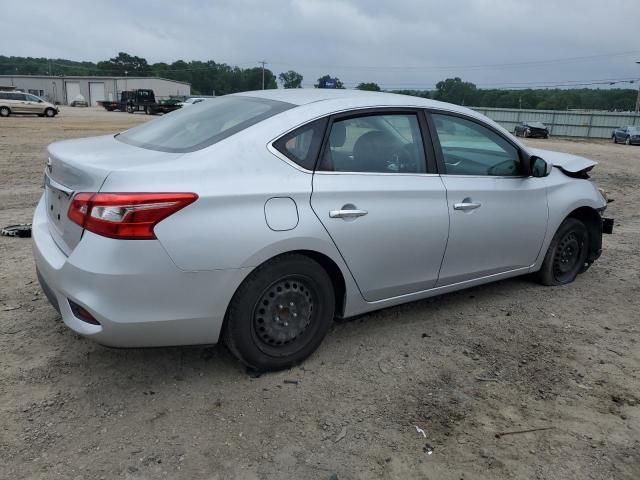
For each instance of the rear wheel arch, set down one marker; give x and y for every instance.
(328, 264)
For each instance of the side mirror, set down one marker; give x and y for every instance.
(539, 167)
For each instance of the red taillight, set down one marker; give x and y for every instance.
(129, 216)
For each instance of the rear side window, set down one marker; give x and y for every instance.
(197, 127)
(303, 144)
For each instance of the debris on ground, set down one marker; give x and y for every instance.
(22, 230)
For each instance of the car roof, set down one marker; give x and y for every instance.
(349, 98)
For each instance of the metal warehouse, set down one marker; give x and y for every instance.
(65, 89)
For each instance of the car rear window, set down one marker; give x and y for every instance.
(193, 128)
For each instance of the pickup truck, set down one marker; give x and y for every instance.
(140, 100)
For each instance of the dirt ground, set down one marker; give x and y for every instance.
(503, 357)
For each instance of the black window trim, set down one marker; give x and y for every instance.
(427, 145)
(442, 170)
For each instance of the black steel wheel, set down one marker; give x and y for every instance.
(566, 255)
(280, 313)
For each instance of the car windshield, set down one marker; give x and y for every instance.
(633, 129)
(204, 124)
(535, 124)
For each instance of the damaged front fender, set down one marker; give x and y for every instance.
(572, 165)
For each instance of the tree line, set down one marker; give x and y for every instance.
(209, 77)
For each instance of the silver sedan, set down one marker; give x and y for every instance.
(257, 218)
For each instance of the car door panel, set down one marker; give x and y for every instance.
(505, 232)
(396, 248)
(385, 213)
(498, 215)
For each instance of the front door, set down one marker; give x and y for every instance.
(34, 104)
(385, 213)
(498, 216)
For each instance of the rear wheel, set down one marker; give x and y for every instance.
(566, 255)
(5, 112)
(129, 108)
(280, 313)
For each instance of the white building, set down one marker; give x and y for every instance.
(64, 89)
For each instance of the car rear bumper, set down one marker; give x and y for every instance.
(137, 295)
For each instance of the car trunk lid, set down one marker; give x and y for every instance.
(83, 165)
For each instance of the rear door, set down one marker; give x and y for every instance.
(18, 102)
(385, 210)
(498, 215)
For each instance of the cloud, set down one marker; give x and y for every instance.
(397, 44)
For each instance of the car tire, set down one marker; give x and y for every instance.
(280, 313)
(515, 132)
(566, 255)
(129, 108)
(627, 141)
(5, 112)
(50, 113)
(525, 134)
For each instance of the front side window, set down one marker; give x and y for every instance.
(204, 124)
(390, 143)
(469, 148)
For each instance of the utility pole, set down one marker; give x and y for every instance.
(263, 64)
(638, 98)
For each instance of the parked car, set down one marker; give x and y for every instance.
(258, 217)
(191, 101)
(20, 102)
(629, 135)
(531, 129)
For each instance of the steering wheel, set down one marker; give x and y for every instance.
(403, 160)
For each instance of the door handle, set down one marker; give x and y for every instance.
(466, 206)
(347, 213)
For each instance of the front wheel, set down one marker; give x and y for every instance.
(627, 141)
(50, 112)
(280, 313)
(567, 254)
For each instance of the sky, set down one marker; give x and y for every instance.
(398, 44)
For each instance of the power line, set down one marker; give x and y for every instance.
(461, 67)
